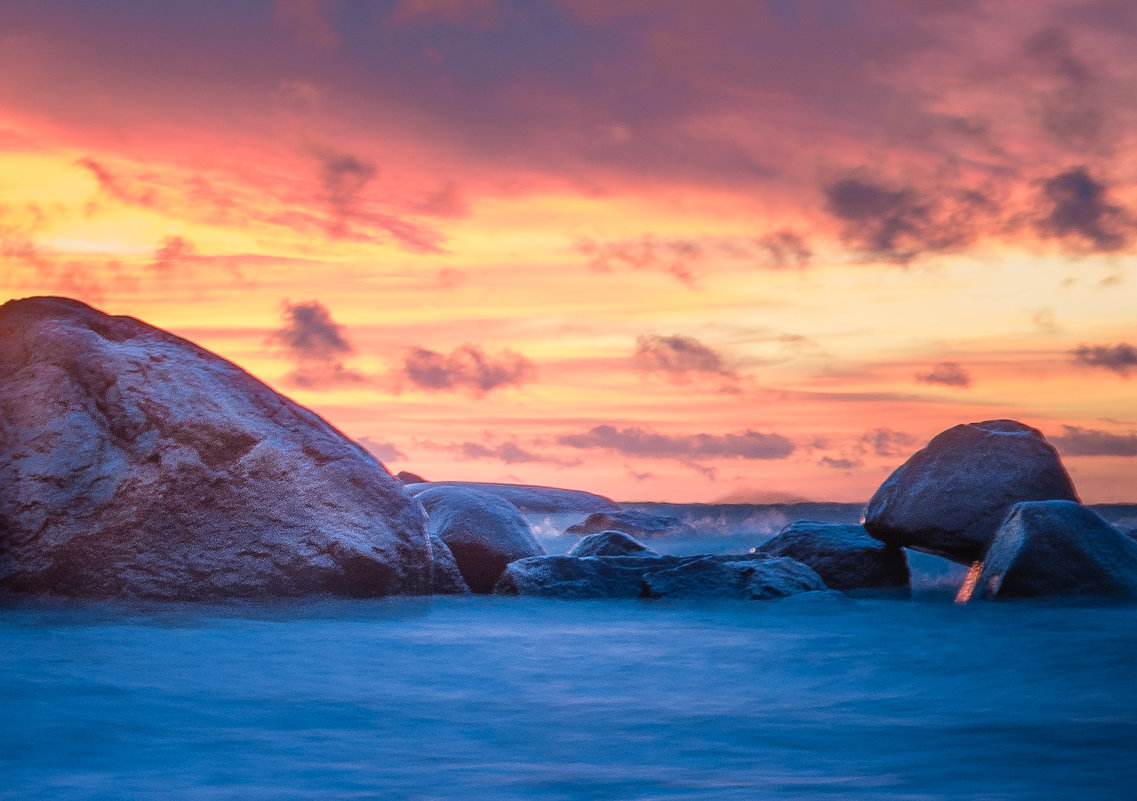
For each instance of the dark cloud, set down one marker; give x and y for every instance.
(343, 177)
(383, 451)
(467, 368)
(840, 463)
(899, 225)
(1078, 209)
(316, 343)
(635, 441)
(949, 374)
(785, 249)
(886, 442)
(507, 452)
(173, 252)
(1121, 358)
(678, 356)
(1072, 112)
(1076, 441)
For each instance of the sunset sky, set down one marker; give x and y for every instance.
(655, 249)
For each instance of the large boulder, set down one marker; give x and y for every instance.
(950, 497)
(484, 532)
(135, 464)
(610, 543)
(634, 577)
(1058, 548)
(845, 557)
(641, 525)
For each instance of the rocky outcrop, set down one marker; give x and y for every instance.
(949, 498)
(410, 478)
(135, 464)
(845, 557)
(657, 576)
(484, 532)
(1058, 548)
(529, 499)
(635, 524)
(610, 543)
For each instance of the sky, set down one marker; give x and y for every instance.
(722, 251)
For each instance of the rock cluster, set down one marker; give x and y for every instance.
(845, 557)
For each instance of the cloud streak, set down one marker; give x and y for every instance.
(947, 374)
(1077, 441)
(1119, 358)
(467, 368)
(643, 442)
(316, 344)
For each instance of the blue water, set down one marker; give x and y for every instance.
(497, 698)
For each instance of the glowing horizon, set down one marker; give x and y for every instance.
(749, 250)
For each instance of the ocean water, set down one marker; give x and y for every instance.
(508, 698)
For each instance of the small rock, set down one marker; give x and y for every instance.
(610, 543)
(636, 524)
(845, 557)
(446, 578)
(483, 532)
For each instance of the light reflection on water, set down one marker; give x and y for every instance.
(532, 699)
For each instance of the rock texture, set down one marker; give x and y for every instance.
(529, 499)
(845, 557)
(135, 464)
(484, 532)
(636, 524)
(1058, 548)
(636, 577)
(610, 543)
(950, 497)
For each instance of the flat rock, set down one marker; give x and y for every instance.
(641, 525)
(632, 576)
(484, 532)
(1058, 548)
(949, 498)
(530, 499)
(610, 543)
(845, 557)
(135, 464)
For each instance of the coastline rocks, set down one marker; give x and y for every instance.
(1058, 548)
(657, 576)
(410, 478)
(135, 464)
(845, 557)
(635, 524)
(482, 531)
(610, 543)
(949, 498)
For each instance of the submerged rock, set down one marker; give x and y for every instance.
(636, 524)
(640, 577)
(949, 498)
(484, 532)
(1058, 548)
(845, 557)
(610, 543)
(135, 464)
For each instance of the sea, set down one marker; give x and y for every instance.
(513, 698)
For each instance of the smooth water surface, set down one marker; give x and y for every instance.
(525, 699)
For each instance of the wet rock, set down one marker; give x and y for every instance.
(748, 580)
(845, 557)
(446, 578)
(135, 464)
(410, 478)
(610, 543)
(949, 498)
(632, 577)
(1058, 548)
(530, 499)
(484, 532)
(640, 525)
